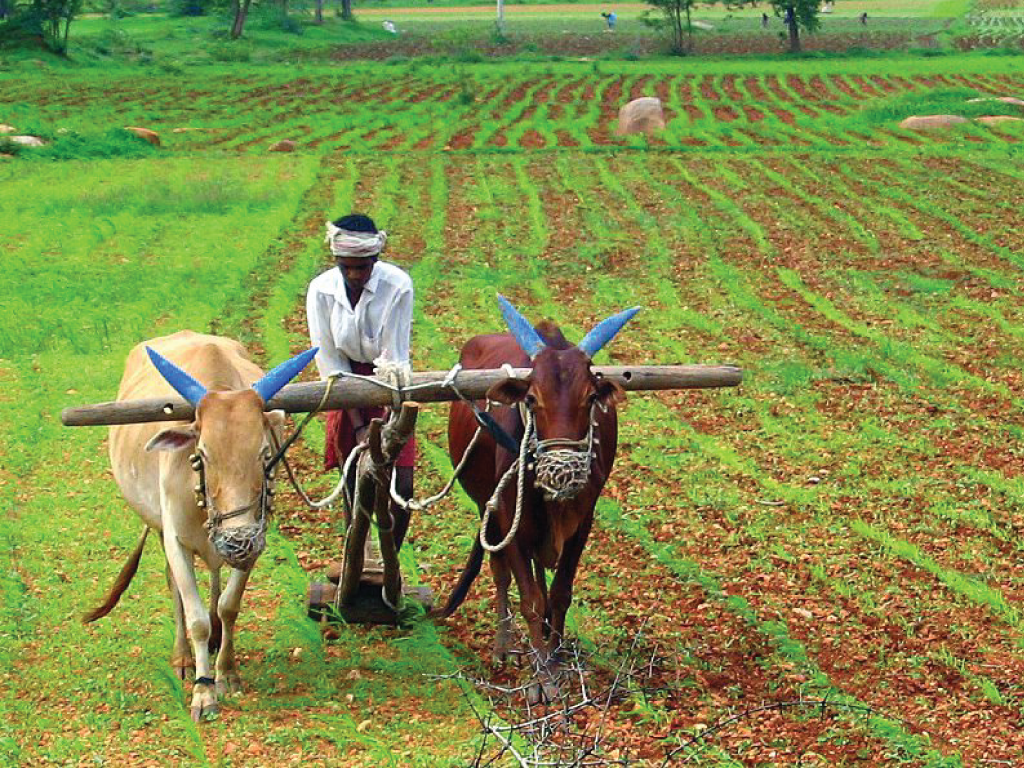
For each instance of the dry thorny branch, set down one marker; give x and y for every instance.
(572, 730)
(569, 731)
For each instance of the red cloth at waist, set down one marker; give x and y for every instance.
(341, 437)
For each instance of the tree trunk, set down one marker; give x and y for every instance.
(794, 35)
(318, 14)
(346, 10)
(677, 30)
(689, 31)
(241, 11)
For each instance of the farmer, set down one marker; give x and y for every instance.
(360, 315)
(610, 19)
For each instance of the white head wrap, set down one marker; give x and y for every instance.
(360, 245)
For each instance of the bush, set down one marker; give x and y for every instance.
(72, 145)
(231, 52)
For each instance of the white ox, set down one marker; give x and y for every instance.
(204, 487)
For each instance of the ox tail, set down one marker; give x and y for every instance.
(469, 574)
(124, 578)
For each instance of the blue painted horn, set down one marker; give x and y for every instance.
(605, 331)
(524, 334)
(271, 383)
(184, 384)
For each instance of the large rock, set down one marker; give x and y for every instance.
(27, 141)
(997, 119)
(931, 122)
(643, 115)
(284, 145)
(144, 133)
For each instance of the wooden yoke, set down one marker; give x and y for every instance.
(373, 497)
(425, 387)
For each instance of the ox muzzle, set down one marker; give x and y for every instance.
(562, 466)
(239, 545)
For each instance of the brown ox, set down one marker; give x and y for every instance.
(570, 457)
(204, 487)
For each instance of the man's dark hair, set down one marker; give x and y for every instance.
(356, 222)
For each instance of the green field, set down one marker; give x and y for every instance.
(843, 526)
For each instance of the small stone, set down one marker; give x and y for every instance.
(931, 122)
(4, 128)
(144, 133)
(284, 145)
(997, 119)
(28, 141)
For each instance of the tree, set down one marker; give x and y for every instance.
(798, 15)
(40, 21)
(671, 14)
(346, 10)
(241, 12)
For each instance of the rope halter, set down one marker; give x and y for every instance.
(240, 545)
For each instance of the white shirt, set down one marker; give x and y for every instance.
(379, 326)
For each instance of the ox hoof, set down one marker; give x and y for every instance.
(229, 684)
(184, 667)
(204, 702)
(502, 652)
(544, 691)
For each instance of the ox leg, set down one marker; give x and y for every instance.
(181, 656)
(216, 631)
(228, 679)
(503, 637)
(197, 620)
(561, 588)
(533, 609)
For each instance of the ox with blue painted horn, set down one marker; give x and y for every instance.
(204, 486)
(537, 506)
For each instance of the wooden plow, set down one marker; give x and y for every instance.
(361, 595)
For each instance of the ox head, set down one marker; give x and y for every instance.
(231, 443)
(562, 392)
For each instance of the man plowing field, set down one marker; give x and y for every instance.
(360, 316)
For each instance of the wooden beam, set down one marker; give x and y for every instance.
(426, 387)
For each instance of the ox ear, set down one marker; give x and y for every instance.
(509, 391)
(609, 392)
(275, 419)
(174, 439)
(605, 331)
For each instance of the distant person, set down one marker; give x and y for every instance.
(790, 15)
(764, 21)
(864, 18)
(610, 19)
